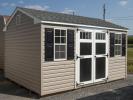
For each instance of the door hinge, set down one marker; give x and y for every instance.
(77, 29)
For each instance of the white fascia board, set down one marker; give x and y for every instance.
(81, 25)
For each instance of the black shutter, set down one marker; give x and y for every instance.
(112, 37)
(123, 44)
(70, 44)
(49, 44)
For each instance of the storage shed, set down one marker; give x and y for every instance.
(50, 52)
(3, 21)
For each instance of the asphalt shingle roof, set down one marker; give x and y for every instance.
(67, 18)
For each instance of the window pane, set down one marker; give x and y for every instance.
(85, 48)
(62, 54)
(63, 39)
(100, 36)
(88, 35)
(57, 48)
(57, 32)
(63, 32)
(100, 67)
(117, 49)
(60, 51)
(62, 47)
(85, 69)
(57, 39)
(117, 38)
(81, 35)
(100, 48)
(57, 55)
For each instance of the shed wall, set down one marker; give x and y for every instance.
(58, 76)
(23, 53)
(1, 49)
(117, 68)
(118, 64)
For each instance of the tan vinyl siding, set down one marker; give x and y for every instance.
(1, 50)
(57, 76)
(117, 68)
(23, 53)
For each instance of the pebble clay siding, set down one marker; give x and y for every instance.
(117, 64)
(22, 53)
(58, 76)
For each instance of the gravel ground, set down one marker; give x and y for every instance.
(117, 90)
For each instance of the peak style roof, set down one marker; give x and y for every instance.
(67, 18)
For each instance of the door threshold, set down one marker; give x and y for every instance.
(80, 85)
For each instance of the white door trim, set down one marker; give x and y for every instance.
(78, 40)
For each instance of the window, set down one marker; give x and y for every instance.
(85, 35)
(100, 36)
(117, 44)
(18, 19)
(60, 44)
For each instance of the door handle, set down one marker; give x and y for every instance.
(78, 57)
(107, 55)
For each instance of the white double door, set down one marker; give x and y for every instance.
(91, 56)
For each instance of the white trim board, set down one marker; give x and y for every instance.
(82, 25)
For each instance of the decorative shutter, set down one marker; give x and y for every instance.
(112, 37)
(123, 44)
(70, 44)
(49, 44)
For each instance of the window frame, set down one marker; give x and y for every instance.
(115, 55)
(65, 44)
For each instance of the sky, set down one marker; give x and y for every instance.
(117, 11)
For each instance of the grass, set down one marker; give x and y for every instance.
(130, 60)
(130, 45)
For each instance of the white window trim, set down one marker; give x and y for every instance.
(60, 44)
(118, 44)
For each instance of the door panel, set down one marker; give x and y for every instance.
(100, 67)
(91, 52)
(85, 69)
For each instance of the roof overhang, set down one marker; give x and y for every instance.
(82, 25)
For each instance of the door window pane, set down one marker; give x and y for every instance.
(85, 48)
(85, 35)
(100, 48)
(100, 36)
(100, 67)
(85, 69)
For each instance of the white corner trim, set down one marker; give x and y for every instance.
(81, 25)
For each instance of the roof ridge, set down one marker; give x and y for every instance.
(59, 13)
